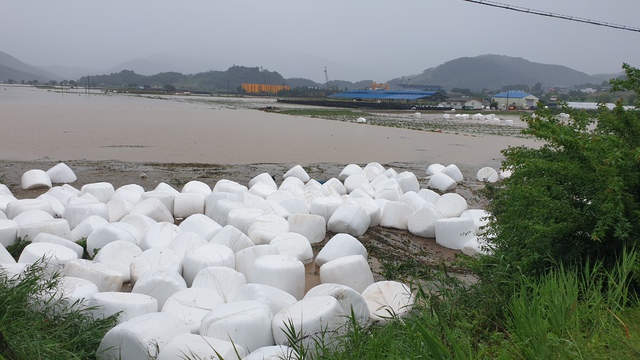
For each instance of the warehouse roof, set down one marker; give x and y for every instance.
(384, 95)
(512, 94)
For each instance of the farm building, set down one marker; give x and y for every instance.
(516, 100)
(463, 103)
(390, 96)
(263, 88)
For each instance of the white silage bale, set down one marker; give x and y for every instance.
(3, 216)
(480, 218)
(142, 337)
(205, 256)
(349, 218)
(73, 292)
(5, 256)
(102, 191)
(5, 199)
(505, 173)
(200, 347)
(312, 227)
(453, 233)
(396, 215)
(417, 115)
(200, 224)
(451, 205)
(16, 207)
(55, 256)
(275, 352)
(77, 210)
(184, 242)
(408, 181)
(275, 298)
(159, 235)
(187, 204)
(87, 226)
(350, 300)
(246, 323)
(225, 281)
(318, 319)
(110, 233)
(454, 172)
(325, 206)
(35, 179)
(153, 208)
(262, 189)
(55, 239)
(160, 284)
(379, 181)
(348, 171)
(336, 185)
(294, 244)
(445, 116)
(372, 208)
(166, 198)
(128, 305)
(351, 270)
(442, 182)
(152, 260)
(61, 173)
(220, 209)
(422, 222)
(195, 186)
(228, 186)
(487, 174)
(245, 258)
(106, 278)
(390, 190)
(390, 173)
(56, 206)
(266, 227)
(280, 195)
(281, 271)
(191, 305)
(291, 184)
(118, 255)
(8, 232)
(359, 193)
(295, 205)
(388, 300)
(4, 189)
(13, 270)
(232, 238)
(118, 208)
(371, 172)
(58, 227)
(264, 178)
(475, 247)
(340, 245)
(508, 122)
(361, 120)
(355, 181)
(128, 194)
(297, 172)
(412, 199)
(31, 217)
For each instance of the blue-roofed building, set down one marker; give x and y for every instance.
(516, 99)
(389, 96)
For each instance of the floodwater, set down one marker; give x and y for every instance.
(37, 123)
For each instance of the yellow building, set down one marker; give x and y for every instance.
(263, 88)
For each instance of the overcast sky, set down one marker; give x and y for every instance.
(355, 40)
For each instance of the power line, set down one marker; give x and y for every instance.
(550, 14)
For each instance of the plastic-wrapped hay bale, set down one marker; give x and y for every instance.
(340, 245)
(17, 207)
(153, 208)
(408, 181)
(245, 258)
(102, 191)
(232, 238)
(164, 187)
(77, 210)
(200, 347)
(349, 218)
(61, 173)
(246, 323)
(106, 278)
(372, 208)
(87, 226)
(355, 181)
(110, 233)
(141, 337)
(480, 218)
(201, 224)
(5, 199)
(129, 192)
(152, 260)
(313, 227)
(453, 233)
(389, 190)
(275, 352)
(422, 222)
(325, 206)
(281, 271)
(266, 227)
(434, 169)
(263, 178)
(352, 271)
(195, 186)
(31, 217)
(191, 305)
(316, 319)
(159, 235)
(361, 120)
(298, 172)
(59, 227)
(5, 256)
(294, 244)
(56, 256)
(165, 197)
(474, 247)
(8, 232)
(56, 205)
(160, 284)
(223, 280)
(336, 185)
(442, 182)
(453, 172)
(349, 299)
(73, 292)
(205, 256)
(118, 255)
(184, 242)
(34, 179)
(224, 185)
(129, 305)
(388, 300)
(262, 189)
(186, 204)
(295, 205)
(396, 215)
(242, 218)
(451, 205)
(414, 200)
(118, 208)
(487, 174)
(275, 298)
(220, 209)
(55, 239)
(348, 171)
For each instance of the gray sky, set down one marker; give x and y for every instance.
(356, 40)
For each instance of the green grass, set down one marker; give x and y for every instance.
(44, 331)
(324, 113)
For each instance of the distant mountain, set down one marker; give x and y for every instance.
(495, 71)
(145, 67)
(69, 73)
(14, 69)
